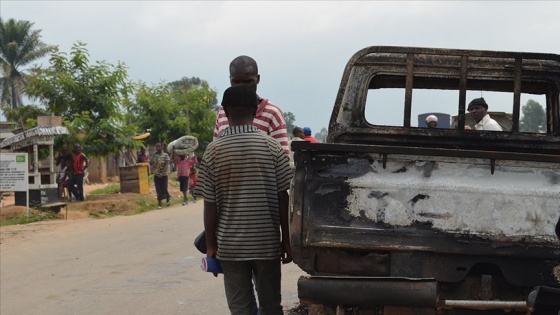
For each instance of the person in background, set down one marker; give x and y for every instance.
(160, 168)
(142, 156)
(431, 121)
(244, 178)
(63, 177)
(243, 70)
(297, 136)
(79, 165)
(184, 165)
(193, 178)
(64, 172)
(307, 135)
(479, 112)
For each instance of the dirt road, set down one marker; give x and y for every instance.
(142, 264)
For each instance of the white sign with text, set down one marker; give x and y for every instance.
(14, 170)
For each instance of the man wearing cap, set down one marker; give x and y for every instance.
(244, 177)
(478, 110)
(307, 135)
(243, 70)
(431, 121)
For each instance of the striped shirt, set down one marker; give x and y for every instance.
(242, 172)
(269, 119)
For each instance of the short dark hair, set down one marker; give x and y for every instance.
(297, 130)
(240, 96)
(243, 62)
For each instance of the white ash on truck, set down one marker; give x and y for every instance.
(392, 217)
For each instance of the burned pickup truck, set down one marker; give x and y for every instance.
(390, 216)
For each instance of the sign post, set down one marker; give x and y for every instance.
(14, 174)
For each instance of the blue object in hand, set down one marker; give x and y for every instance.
(210, 264)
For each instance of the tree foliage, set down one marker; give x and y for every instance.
(170, 111)
(322, 135)
(290, 119)
(89, 97)
(19, 46)
(25, 116)
(534, 117)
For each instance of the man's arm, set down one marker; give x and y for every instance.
(221, 122)
(283, 200)
(278, 127)
(86, 161)
(210, 223)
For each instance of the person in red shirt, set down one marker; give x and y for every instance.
(307, 135)
(184, 166)
(193, 177)
(79, 164)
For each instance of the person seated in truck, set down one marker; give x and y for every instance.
(307, 135)
(298, 136)
(431, 121)
(478, 108)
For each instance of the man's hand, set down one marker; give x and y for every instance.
(212, 252)
(286, 252)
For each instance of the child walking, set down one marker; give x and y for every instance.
(192, 182)
(184, 167)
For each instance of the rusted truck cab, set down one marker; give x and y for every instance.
(392, 217)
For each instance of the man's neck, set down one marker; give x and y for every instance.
(240, 122)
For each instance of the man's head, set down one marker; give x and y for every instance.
(240, 104)
(243, 70)
(298, 132)
(307, 131)
(431, 121)
(158, 147)
(77, 148)
(478, 108)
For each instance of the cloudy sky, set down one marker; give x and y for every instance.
(301, 46)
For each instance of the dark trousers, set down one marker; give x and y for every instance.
(76, 186)
(238, 282)
(161, 187)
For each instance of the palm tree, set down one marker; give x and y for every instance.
(19, 45)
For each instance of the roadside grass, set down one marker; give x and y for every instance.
(34, 216)
(109, 189)
(141, 204)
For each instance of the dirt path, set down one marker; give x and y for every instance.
(140, 264)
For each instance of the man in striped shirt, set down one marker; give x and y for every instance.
(244, 177)
(269, 118)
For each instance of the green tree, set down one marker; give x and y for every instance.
(290, 119)
(170, 111)
(322, 135)
(156, 109)
(89, 97)
(534, 117)
(25, 116)
(201, 105)
(19, 46)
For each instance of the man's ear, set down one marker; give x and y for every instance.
(258, 78)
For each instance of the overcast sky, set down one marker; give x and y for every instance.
(301, 46)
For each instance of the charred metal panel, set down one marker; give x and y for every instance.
(354, 264)
(368, 291)
(461, 196)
